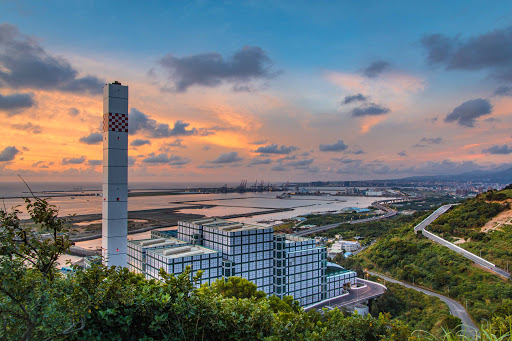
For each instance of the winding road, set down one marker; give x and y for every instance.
(456, 309)
(421, 227)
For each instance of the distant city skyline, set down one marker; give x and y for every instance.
(258, 90)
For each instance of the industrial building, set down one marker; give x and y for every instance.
(278, 264)
(115, 175)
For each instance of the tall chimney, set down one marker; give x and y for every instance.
(115, 175)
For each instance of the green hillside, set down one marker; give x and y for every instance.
(410, 257)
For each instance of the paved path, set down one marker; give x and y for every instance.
(456, 309)
(368, 290)
(471, 256)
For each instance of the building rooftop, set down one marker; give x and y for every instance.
(183, 251)
(295, 239)
(226, 225)
(158, 242)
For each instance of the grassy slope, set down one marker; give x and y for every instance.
(405, 255)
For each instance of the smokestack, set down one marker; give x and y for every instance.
(115, 175)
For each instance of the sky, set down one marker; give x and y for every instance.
(221, 91)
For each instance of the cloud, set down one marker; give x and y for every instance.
(496, 149)
(436, 140)
(259, 142)
(275, 149)
(487, 51)
(402, 153)
(177, 143)
(73, 161)
(92, 138)
(9, 153)
(467, 113)
(227, 158)
(370, 110)
(279, 168)
(139, 142)
(94, 162)
(287, 157)
(28, 127)
(131, 160)
(25, 64)
(15, 103)
(346, 160)
(173, 160)
(503, 91)
(255, 162)
(211, 69)
(301, 164)
(356, 150)
(376, 68)
(335, 147)
(73, 112)
(140, 122)
(354, 98)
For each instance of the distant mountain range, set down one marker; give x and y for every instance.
(501, 176)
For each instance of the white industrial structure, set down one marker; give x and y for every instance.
(115, 175)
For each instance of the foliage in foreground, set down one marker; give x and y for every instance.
(37, 302)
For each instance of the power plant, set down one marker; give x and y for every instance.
(115, 175)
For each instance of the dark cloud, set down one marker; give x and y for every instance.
(73, 112)
(300, 164)
(279, 168)
(370, 110)
(92, 138)
(419, 145)
(94, 162)
(496, 149)
(346, 160)
(227, 158)
(207, 147)
(28, 127)
(25, 64)
(503, 91)
(173, 160)
(142, 123)
(211, 69)
(354, 98)
(259, 142)
(15, 103)
(139, 142)
(356, 150)
(8, 154)
(73, 161)
(402, 154)
(288, 157)
(131, 160)
(376, 68)
(335, 147)
(467, 113)
(487, 51)
(177, 143)
(275, 149)
(435, 140)
(255, 162)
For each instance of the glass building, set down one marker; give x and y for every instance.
(278, 264)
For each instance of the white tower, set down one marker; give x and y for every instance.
(115, 175)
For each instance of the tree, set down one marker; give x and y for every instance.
(237, 287)
(33, 295)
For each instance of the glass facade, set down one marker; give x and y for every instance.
(278, 264)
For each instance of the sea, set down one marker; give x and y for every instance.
(65, 196)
